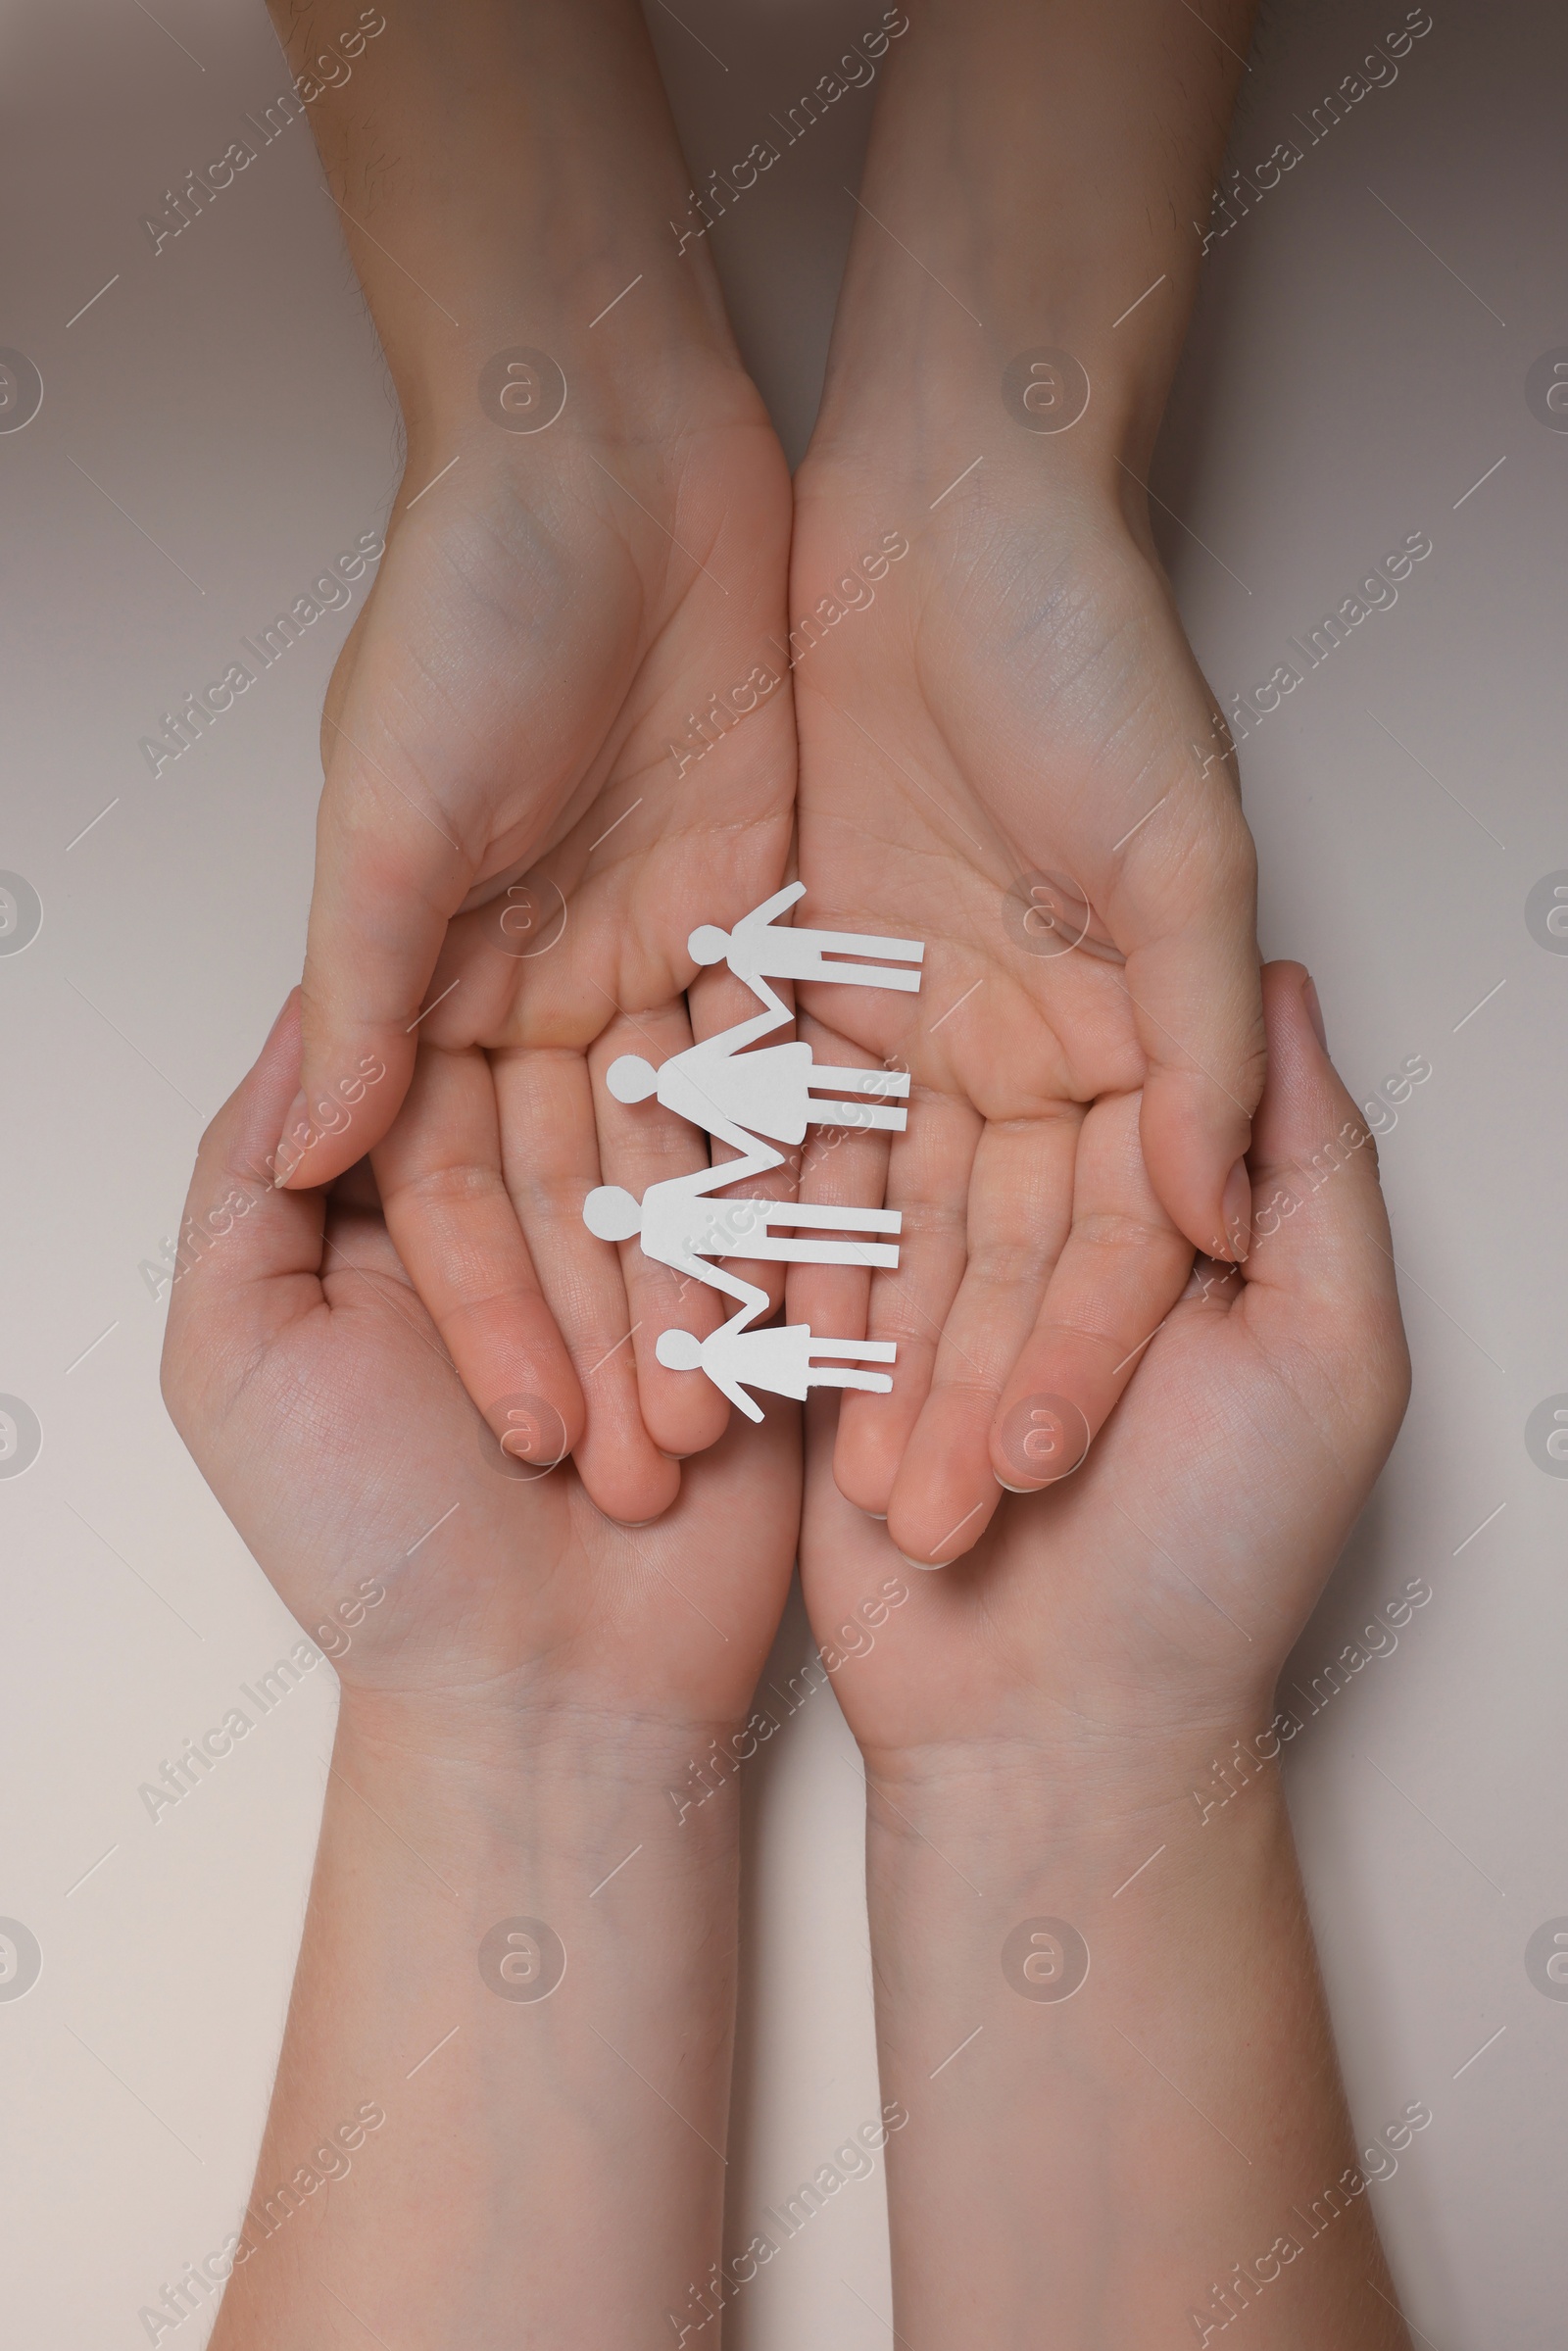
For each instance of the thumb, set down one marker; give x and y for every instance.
(1188, 925)
(390, 873)
(250, 1255)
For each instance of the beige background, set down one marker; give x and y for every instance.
(1351, 375)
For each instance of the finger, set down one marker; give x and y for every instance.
(1322, 1255)
(1121, 1270)
(551, 1157)
(389, 874)
(1017, 1219)
(641, 1144)
(550, 1148)
(452, 1221)
(929, 1170)
(1184, 909)
(250, 1255)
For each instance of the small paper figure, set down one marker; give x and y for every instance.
(679, 1228)
(736, 1094)
(759, 949)
(782, 1361)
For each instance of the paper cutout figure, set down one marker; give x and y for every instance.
(677, 1227)
(741, 1096)
(736, 1094)
(759, 949)
(782, 1361)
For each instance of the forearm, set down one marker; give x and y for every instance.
(504, 168)
(1144, 2154)
(1033, 168)
(549, 2170)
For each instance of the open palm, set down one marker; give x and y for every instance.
(1005, 756)
(313, 1389)
(511, 730)
(1121, 1605)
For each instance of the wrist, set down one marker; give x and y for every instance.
(1012, 1872)
(1087, 1799)
(502, 175)
(533, 388)
(473, 1771)
(1027, 191)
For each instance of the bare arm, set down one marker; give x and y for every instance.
(500, 2110)
(501, 2105)
(1097, 1993)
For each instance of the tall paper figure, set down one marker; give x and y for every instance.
(759, 949)
(736, 1094)
(782, 1359)
(679, 1228)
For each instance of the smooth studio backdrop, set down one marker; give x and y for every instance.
(1372, 360)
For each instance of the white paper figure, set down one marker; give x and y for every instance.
(736, 1094)
(782, 1361)
(679, 1227)
(759, 949)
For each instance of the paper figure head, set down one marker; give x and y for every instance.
(679, 1350)
(707, 944)
(631, 1079)
(612, 1213)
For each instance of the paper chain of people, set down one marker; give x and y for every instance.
(754, 1101)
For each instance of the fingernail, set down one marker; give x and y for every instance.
(924, 1566)
(286, 1160)
(1314, 1010)
(1236, 1210)
(1007, 1488)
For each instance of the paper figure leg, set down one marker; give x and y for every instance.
(820, 1217)
(865, 975)
(859, 1115)
(823, 1252)
(893, 1083)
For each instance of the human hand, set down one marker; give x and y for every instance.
(582, 572)
(1072, 1798)
(1019, 698)
(449, 1580)
(1012, 749)
(1153, 1597)
(520, 1939)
